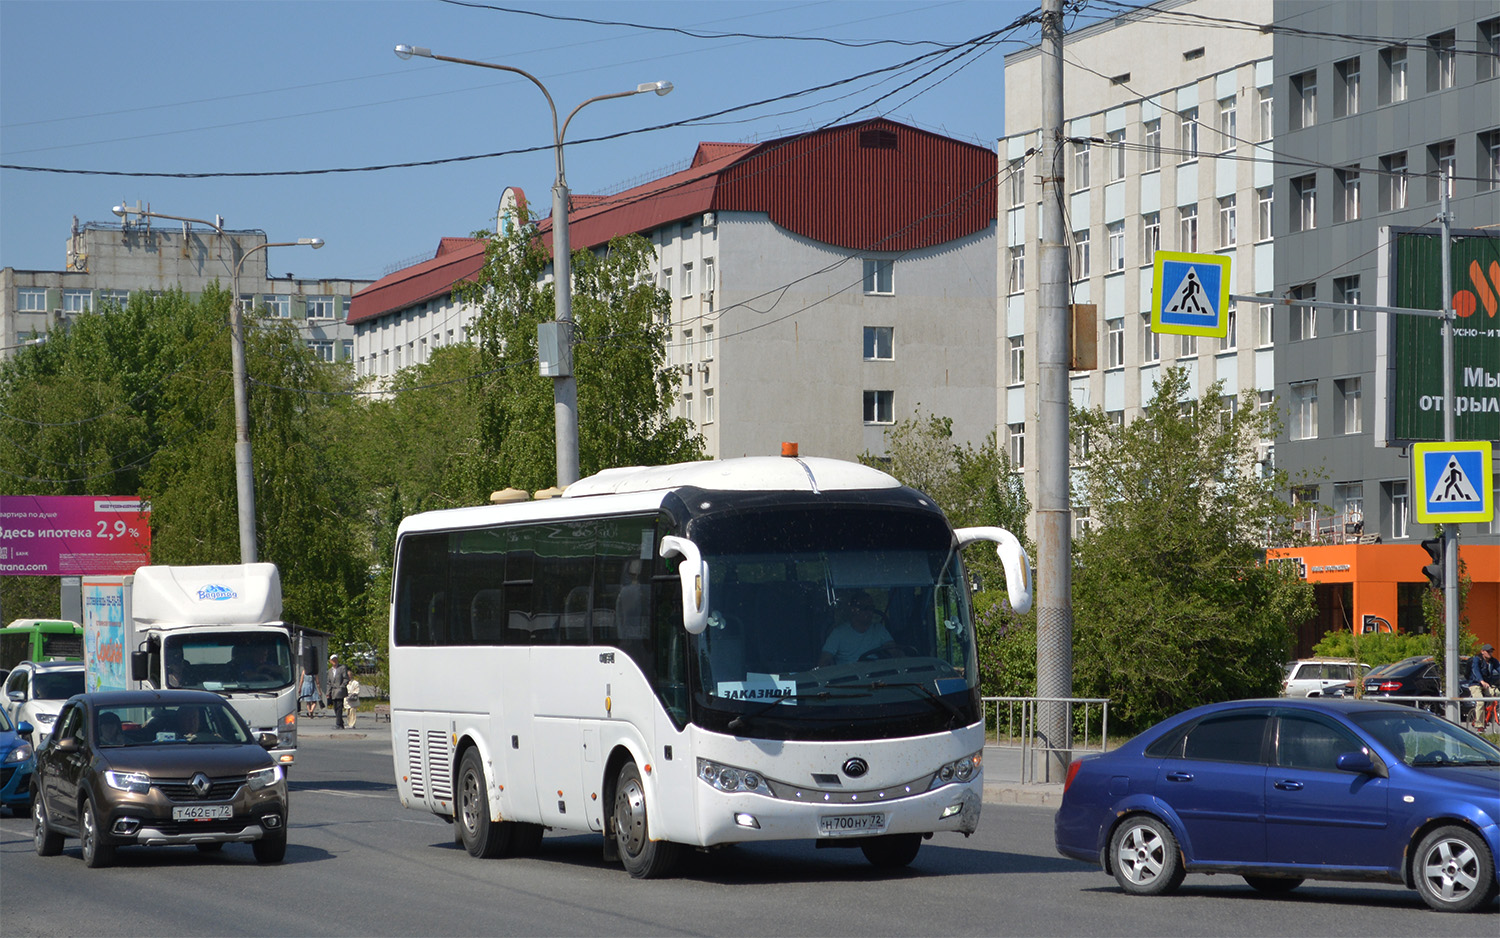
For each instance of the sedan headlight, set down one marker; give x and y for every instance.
(263, 778)
(137, 782)
(961, 770)
(19, 754)
(46, 718)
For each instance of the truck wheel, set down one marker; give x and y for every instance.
(481, 836)
(48, 842)
(270, 848)
(892, 851)
(642, 857)
(97, 850)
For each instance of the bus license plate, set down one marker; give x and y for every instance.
(203, 812)
(851, 825)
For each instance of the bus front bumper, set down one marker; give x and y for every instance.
(740, 817)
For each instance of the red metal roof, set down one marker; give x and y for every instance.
(873, 186)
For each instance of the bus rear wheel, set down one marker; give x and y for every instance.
(642, 857)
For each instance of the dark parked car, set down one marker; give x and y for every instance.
(157, 768)
(16, 761)
(1279, 791)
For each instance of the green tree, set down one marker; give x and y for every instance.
(1173, 605)
(621, 327)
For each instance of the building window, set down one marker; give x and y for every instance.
(1081, 523)
(1017, 433)
(1188, 228)
(1489, 49)
(1152, 143)
(709, 284)
(878, 343)
(1115, 155)
(31, 299)
(1080, 254)
(1116, 232)
(1231, 341)
(666, 281)
(321, 307)
(1151, 234)
(879, 276)
(1189, 346)
(1393, 182)
(1114, 337)
(1489, 160)
(1400, 510)
(1442, 167)
(323, 351)
(1263, 320)
(1227, 226)
(1018, 268)
(1017, 183)
(1304, 103)
(1305, 202)
(687, 352)
(1229, 124)
(1349, 395)
(710, 343)
(1348, 194)
(1081, 165)
(1442, 60)
(1305, 410)
(1304, 314)
(77, 301)
(121, 298)
(278, 305)
(1348, 102)
(1150, 341)
(1393, 87)
(1349, 504)
(1017, 359)
(1265, 107)
(879, 407)
(687, 280)
(687, 407)
(347, 349)
(1187, 142)
(1265, 200)
(708, 406)
(1346, 289)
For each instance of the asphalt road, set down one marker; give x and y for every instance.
(359, 864)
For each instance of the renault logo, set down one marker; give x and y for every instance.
(201, 785)
(856, 767)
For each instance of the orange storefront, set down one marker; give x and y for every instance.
(1380, 586)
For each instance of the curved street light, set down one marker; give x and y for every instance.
(564, 387)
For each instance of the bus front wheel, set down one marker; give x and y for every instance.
(480, 835)
(642, 857)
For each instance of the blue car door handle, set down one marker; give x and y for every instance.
(1287, 784)
(1179, 776)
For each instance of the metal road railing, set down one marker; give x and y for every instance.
(1011, 726)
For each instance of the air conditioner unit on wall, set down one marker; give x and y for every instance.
(709, 219)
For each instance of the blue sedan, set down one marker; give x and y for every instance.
(1280, 791)
(17, 762)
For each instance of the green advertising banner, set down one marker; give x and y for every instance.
(1416, 342)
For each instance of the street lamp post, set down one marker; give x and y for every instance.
(564, 387)
(244, 476)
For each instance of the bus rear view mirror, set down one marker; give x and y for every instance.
(694, 575)
(1012, 557)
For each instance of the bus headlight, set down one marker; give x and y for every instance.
(960, 770)
(727, 778)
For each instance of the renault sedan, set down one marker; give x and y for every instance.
(157, 768)
(1281, 791)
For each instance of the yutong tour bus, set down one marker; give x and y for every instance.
(693, 655)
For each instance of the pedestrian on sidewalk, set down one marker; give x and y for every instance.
(1483, 683)
(338, 687)
(307, 692)
(351, 702)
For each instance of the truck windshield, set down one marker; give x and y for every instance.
(229, 661)
(859, 622)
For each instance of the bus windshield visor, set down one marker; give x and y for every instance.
(229, 661)
(874, 621)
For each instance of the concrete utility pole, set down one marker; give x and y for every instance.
(1450, 531)
(1054, 621)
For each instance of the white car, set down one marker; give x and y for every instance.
(35, 692)
(1309, 676)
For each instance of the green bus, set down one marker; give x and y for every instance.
(40, 640)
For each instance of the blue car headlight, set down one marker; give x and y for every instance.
(19, 754)
(136, 782)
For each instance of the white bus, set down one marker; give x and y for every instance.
(690, 656)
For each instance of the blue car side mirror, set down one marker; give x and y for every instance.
(1359, 762)
(25, 729)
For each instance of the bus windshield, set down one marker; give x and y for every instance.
(229, 661)
(853, 616)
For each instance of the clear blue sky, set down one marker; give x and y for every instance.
(223, 87)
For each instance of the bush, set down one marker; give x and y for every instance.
(1007, 647)
(1386, 647)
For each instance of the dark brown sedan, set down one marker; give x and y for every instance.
(157, 768)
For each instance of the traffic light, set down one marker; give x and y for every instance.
(1434, 570)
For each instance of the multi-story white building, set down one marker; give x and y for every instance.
(822, 287)
(1170, 123)
(108, 262)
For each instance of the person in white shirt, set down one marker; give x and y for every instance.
(857, 637)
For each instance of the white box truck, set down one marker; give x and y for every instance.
(215, 628)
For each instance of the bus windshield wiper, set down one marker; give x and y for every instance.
(931, 695)
(820, 695)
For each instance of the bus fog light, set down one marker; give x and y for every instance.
(747, 820)
(951, 810)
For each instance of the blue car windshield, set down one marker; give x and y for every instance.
(1421, 739)
(5, 726)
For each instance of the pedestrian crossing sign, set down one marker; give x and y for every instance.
(1191, 294)
(1454, 482)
